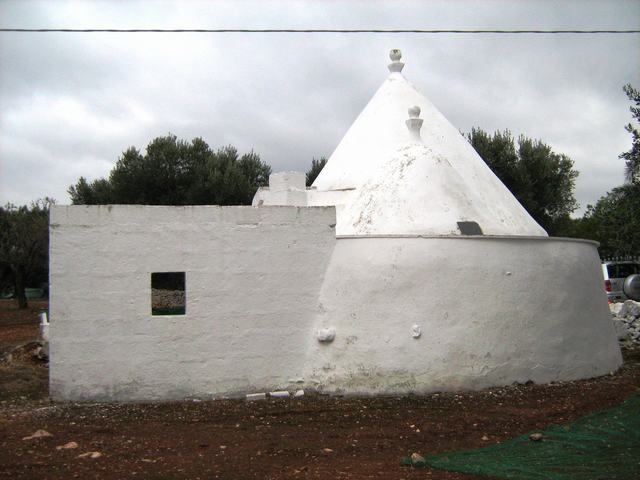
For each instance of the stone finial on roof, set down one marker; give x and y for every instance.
(414, 124)
(396, 65)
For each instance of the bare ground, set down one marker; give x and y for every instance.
(314, 437)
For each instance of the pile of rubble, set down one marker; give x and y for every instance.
(36, 351)
(626, 319)
(163, 298)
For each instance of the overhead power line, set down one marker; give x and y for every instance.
(311, 30)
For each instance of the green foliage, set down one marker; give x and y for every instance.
(632, 157)
(314, 171)
(576, 228)
(24, 244)
(541, 180)
(614, 221)
(176, 172)
(98, 192)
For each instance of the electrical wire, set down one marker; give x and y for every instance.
(309, 31)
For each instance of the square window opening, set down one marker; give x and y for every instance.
(168, 295)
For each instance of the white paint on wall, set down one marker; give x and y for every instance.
(311, 197)
(547, 321)
(262, 282)
(282, 181)
(252, 282)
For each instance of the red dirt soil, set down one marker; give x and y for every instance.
(313, 437)
(10, 314)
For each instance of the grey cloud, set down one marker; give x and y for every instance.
(291, 98)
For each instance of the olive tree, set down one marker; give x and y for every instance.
(24, 243)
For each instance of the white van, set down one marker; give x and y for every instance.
(615, 273)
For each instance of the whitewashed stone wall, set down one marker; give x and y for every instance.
(253, 276)
(276, 302)
(423, 314)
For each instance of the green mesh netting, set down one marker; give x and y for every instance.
(601, 446)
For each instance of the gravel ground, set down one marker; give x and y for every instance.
(313, 437)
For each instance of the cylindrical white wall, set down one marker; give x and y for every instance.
(492, 311)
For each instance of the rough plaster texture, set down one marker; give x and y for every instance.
(491, 311)
(309, 197)
(417, 191)
(252, 281)
(289, 180)
(265, 285)
(371, 153)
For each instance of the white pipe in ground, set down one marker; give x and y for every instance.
(44, 327)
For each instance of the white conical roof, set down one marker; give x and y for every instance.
(443, 182)
(416, 192)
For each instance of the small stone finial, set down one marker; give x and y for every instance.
(396, 65)
(414, 112)
(414, 124)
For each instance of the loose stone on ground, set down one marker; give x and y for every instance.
(626, 320)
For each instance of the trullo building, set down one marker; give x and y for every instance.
(406, 267)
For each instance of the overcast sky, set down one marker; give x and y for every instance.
(71, 103)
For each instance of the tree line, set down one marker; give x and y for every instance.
(614, 220)
(179, 172)
(24, 247)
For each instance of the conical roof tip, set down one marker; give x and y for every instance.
(379, 138)
(378, 129)
(396, 65)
